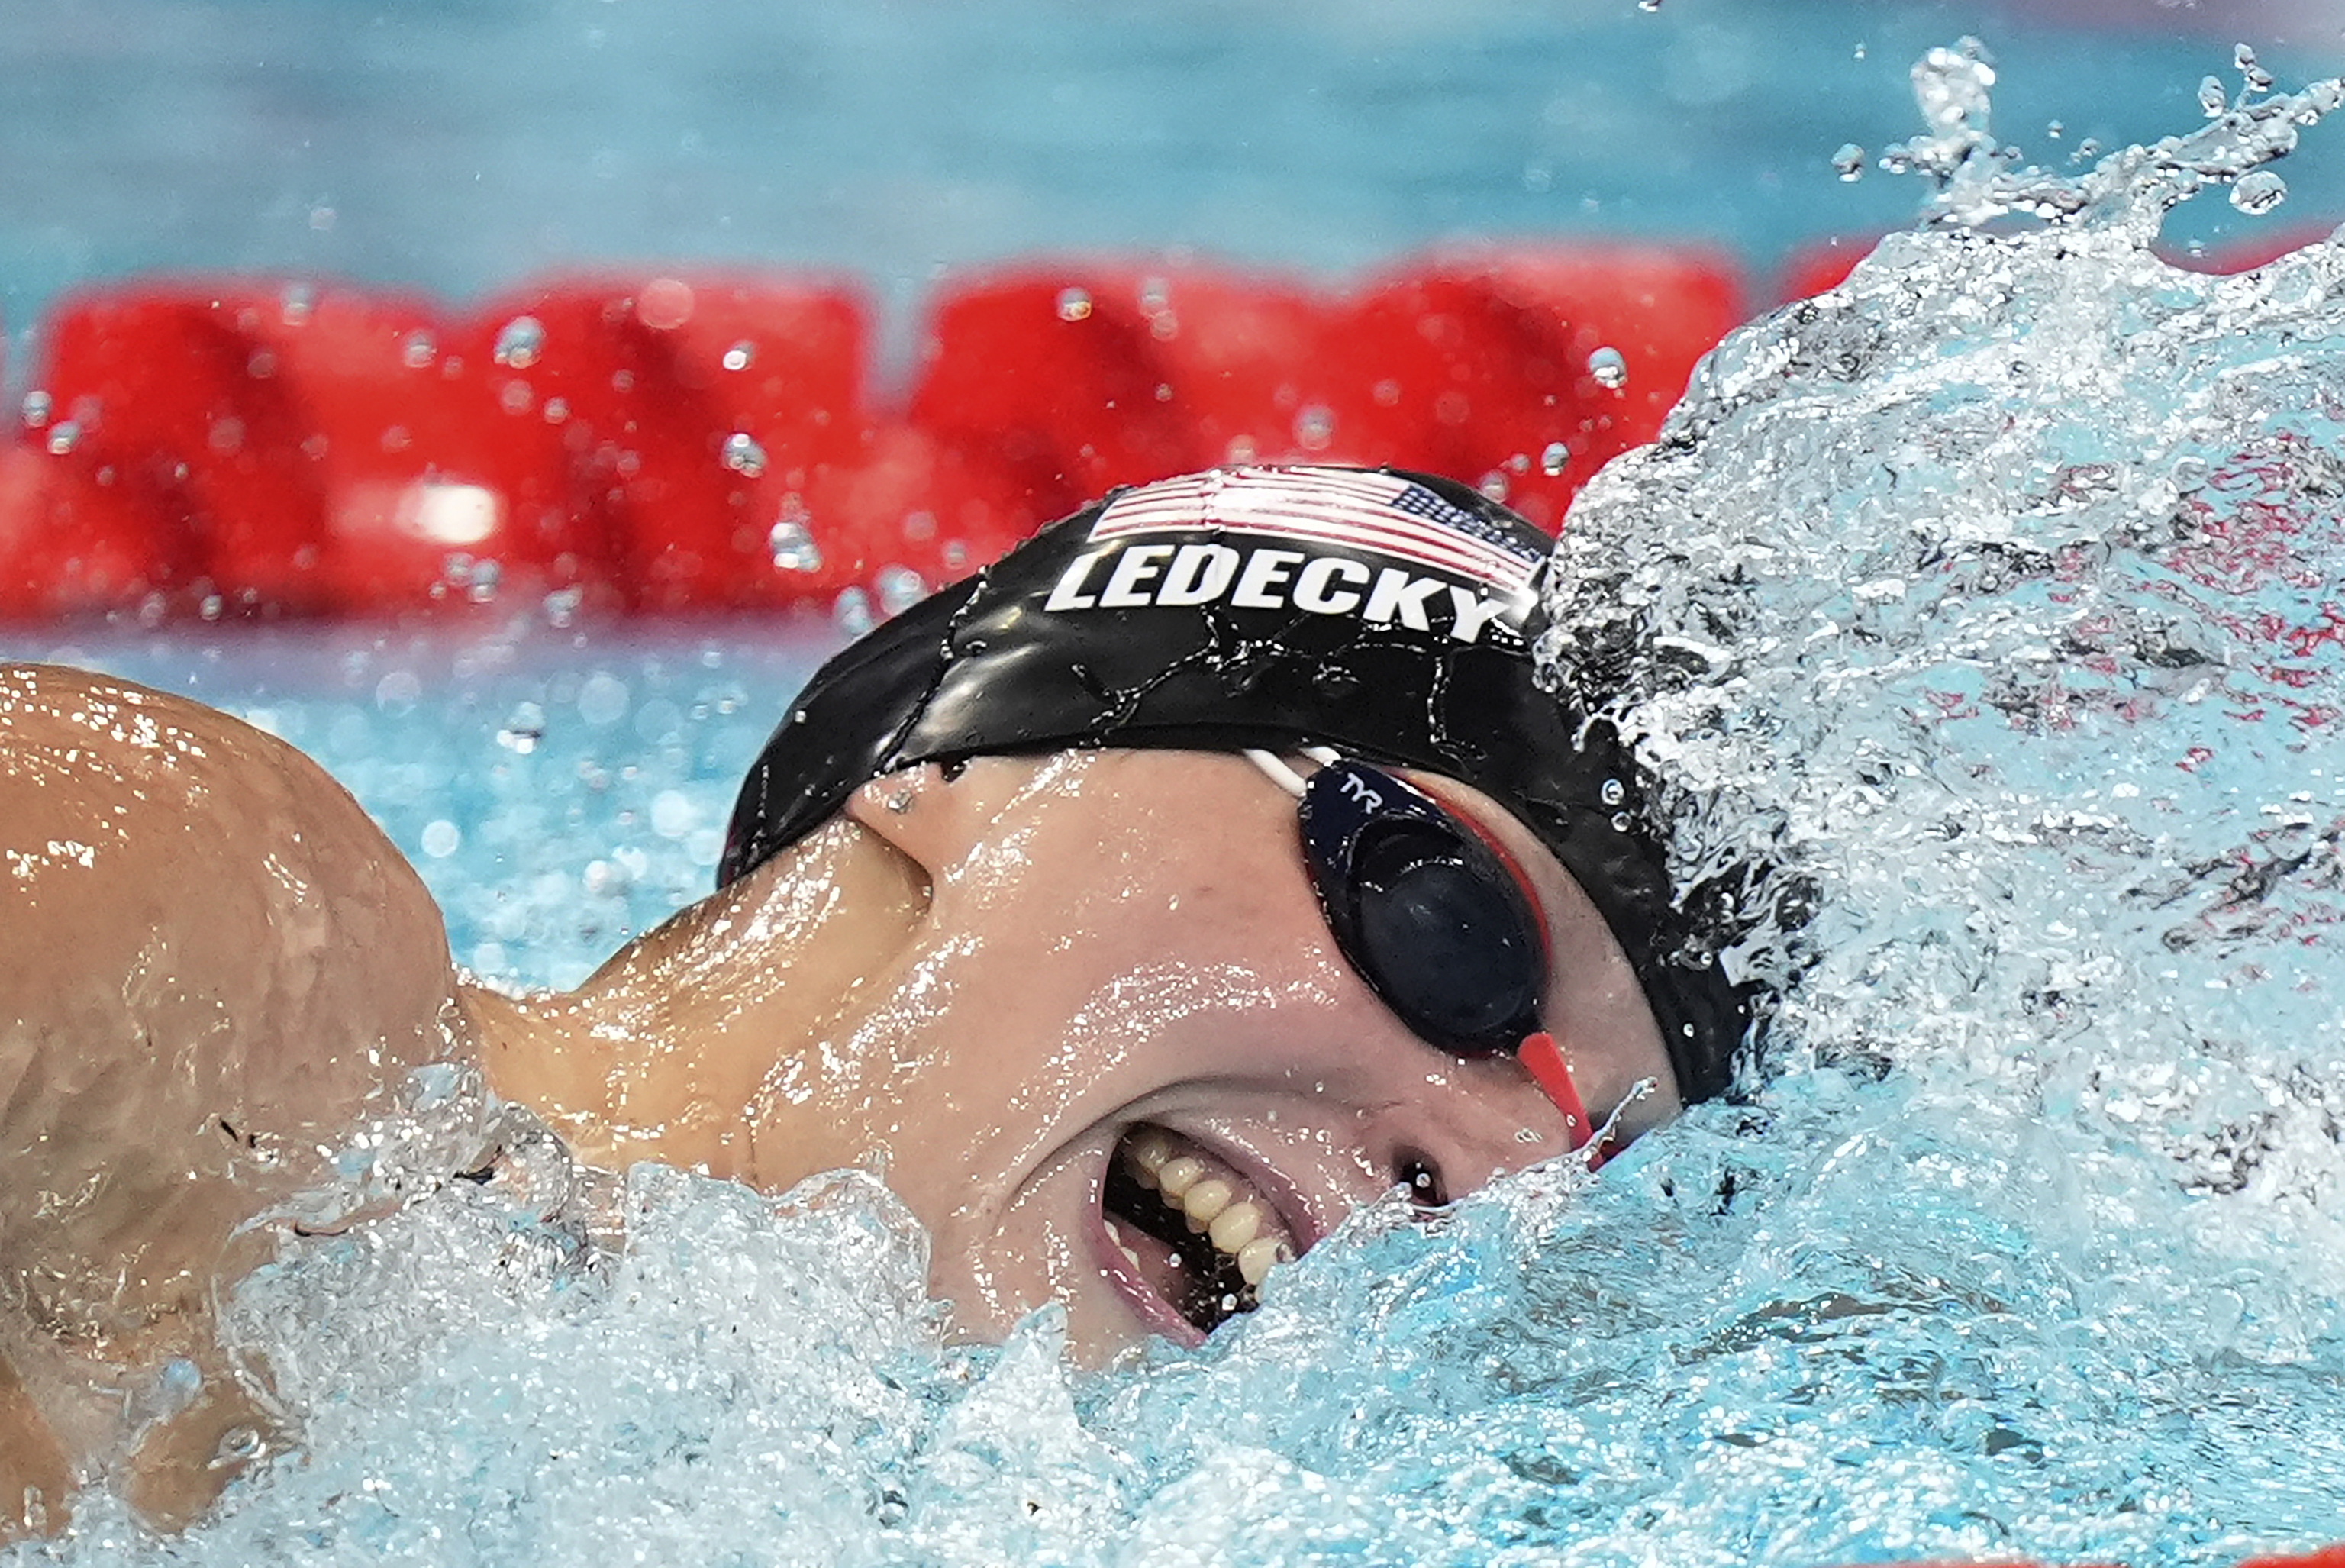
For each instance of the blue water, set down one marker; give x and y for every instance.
(458, 146)
(1985, 603)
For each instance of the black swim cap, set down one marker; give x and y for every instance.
(1388, 615)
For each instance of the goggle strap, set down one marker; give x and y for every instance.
(1272, 764)
(1543, 1058)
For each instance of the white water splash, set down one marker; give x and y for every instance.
(1986, 602)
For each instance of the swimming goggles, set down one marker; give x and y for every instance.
(1435, 916)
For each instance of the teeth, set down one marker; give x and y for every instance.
(1207, 1199)
(1256, 1257)
(1147, 1155)
(1175, 1177)
(1243, 1229)
(1235, 1226)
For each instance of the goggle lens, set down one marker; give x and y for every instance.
(1440, 928)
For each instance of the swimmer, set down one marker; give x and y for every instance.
(1210, 866)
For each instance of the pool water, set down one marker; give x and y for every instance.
(1982, 605)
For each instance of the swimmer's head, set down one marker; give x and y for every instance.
(1357, 616)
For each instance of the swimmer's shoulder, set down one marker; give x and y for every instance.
(210, 958)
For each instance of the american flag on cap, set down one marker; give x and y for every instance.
(1384, 514)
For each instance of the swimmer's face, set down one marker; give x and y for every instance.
(1122, 965)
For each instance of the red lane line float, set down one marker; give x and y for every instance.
(697, 414)
(682, 441)
(1517, 370)
(287, 450)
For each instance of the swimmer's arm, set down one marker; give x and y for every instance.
(210, 959)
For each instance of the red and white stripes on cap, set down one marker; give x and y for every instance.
(1386, 514)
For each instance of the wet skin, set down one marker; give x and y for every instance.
(1024, 962)
(978, 983)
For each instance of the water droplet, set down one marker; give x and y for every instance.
(2212, 98)
(2257, 79)
(900, 588)
(520, 342)
(211, 606)
(2055, 130)
(64, 436)
(1314, 427)
(1621, 823)
(1554, 459)
(296, 302)
(562, 605)
(1848, 161)
(792, 545)
(1610, 368)
(1074, 304)
(852, 611)
(743, 455)
(1613, 792)
(419, 350)
(1648, 6)
(1494, 486)
(740, 356)
(2258, 192)
(524, 728)
(486, 575)
(38, 407)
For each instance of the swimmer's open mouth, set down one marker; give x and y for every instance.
(1196, 1232)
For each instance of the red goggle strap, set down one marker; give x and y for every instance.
(1544, 1060)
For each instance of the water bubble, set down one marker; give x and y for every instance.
(1074, 304)
(2055, 130)
(2259, 191)
(900, 588)
(674, 814)
(1613, 792)
(1494, 486)
(744, 455)
(486, 575)
(1314, 427)
(441, 838)
(792, 545)
(1610, 368)
(521, 343)
(1848, 161)
(294, 305)
(603, 698)
(524, 727)
(64, 436)
(740, 356)
(38, 407)
(1554, 459)
(2257, 79)
(2212, 98)
(419, 350)
(398, 692)
(852, 611)
(562, 605)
